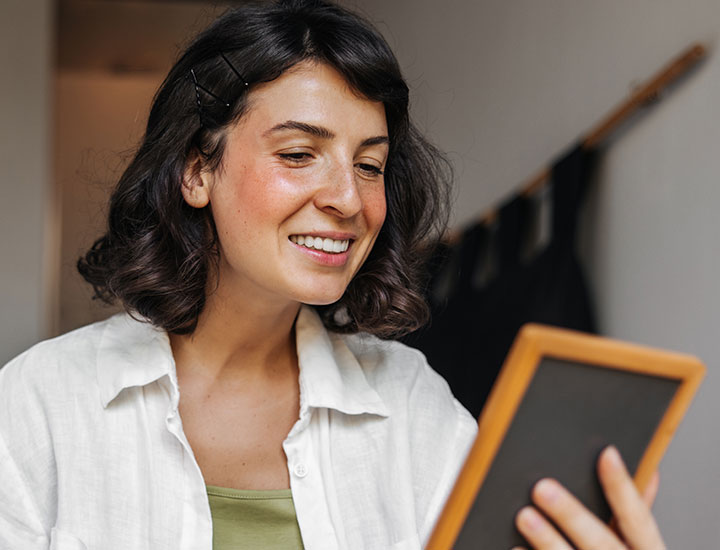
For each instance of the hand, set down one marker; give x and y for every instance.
(636, 527)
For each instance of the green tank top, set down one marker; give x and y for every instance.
(253, 520)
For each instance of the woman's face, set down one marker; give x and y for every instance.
(299, 198)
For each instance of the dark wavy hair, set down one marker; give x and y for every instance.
(158, 251)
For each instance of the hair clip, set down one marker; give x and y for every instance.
(199, 87)
(237, 73)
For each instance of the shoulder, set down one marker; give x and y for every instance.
(42, 392)
(390, 365)
(59, 373)
(57, 361)
(386, 359)
(434, 427)
(403, 378)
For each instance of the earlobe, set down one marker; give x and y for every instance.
(195, 185)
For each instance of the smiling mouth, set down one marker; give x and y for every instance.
(331, 246)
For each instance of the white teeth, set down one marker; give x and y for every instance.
(319, 243)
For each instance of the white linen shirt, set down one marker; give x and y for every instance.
(93, 454)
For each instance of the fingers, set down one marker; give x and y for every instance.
(632, 514)
(651, 490)
(582, 527)
(538, 531)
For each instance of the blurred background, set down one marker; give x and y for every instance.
(503, 87)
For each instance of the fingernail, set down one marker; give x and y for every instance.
(547, 490)
(613, 455)
(529, 519)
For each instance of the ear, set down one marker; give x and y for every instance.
(195, 184)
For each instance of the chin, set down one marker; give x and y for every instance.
(315, 293)
(321, 301)
(322, 298)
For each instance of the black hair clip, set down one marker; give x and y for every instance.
(199, 87)
(237, 73)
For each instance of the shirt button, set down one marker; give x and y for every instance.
(300, 469)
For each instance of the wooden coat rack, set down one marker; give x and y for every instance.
(645, 94)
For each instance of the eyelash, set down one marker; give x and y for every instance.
(301, 157)
(294, 157)
(374, 170)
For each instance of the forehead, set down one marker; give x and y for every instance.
(314, 93)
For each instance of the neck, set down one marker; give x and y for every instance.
(248, 339)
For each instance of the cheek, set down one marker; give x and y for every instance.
(375, 208)
(263, 196)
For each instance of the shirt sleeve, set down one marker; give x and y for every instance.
(20, 526)
(26, 471)
(442, 432)
(455, 454)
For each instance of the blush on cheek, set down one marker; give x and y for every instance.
(376, 210)
(274, 190)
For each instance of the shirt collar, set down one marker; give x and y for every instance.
(330, 375)
(132, 353)
(135, 353)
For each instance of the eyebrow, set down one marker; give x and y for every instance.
(319, 131)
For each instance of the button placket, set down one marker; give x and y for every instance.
(295, 446)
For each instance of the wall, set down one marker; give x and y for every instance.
(26, 212)
(104, 86)
(100, 119)
(506, 86)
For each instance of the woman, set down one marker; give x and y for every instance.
(269, 229)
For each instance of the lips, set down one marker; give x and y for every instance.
(325, 244)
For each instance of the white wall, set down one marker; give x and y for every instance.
(506, 86)
(26, 221)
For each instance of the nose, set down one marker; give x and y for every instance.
(338, 194)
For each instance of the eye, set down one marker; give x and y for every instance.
(297, 157)
(369, 169)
